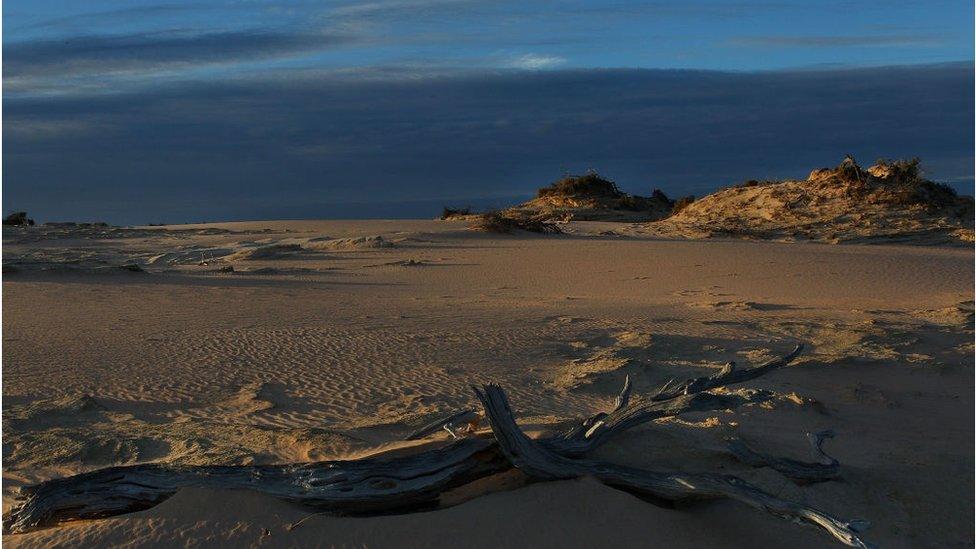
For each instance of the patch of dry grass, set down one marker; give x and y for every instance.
(591, 185)
(497, 222)
(449, 212)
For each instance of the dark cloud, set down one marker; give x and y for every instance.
(301, 145)
(120, 15)
(96, 54)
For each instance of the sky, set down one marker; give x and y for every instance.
(143, 111)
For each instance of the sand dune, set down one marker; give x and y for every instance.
(591, 198)
(888, 202)
(340, 351)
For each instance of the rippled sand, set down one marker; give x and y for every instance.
(294, 341)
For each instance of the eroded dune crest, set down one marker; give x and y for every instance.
(888, 202)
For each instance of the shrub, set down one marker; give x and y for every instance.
(634, 203)
(897, 171)
(18, 218)
(658, 194)
(497, 222)
(589, 185)
(455, 212)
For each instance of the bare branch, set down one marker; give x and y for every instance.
(538, 462)
(729, 375)
(457, 418)
(366, 486)
(826, 467)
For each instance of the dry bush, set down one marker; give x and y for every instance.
(635, 203)
(18, 218)
(658, 194)
(497, 222)
(902, 184)
(448, 212)
(589, 185)
(754, 183)
(897, 171)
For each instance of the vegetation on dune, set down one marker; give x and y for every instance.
(449, 212)
(498, 222)
(593, 197)
(18, 218)
(590, 185)
(892, 182)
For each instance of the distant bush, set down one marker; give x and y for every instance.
(658, 194)
(682, 203)
(634, 203)
(753, 183)
(18, 218)
(455, 212)
(497, 222)
(589, 185)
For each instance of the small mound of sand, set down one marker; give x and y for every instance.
(591, 198)
(355, 243)
(507, 223)
(888, 202)
(194, 255)
(959, 315)
(271, 251)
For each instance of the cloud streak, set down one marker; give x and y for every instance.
(839, 41)
(536, 62)
(92, 55)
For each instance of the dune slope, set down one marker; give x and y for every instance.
(888, 202)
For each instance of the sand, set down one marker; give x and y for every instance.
(291, 341)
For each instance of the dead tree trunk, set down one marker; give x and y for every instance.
(374, 485)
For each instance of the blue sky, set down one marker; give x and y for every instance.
(133, 110)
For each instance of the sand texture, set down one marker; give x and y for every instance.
(271, 342)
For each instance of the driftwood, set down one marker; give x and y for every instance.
(540, 463)
(729, 375)
(825, 468)
(384, 484)
(449, 424)
(593, 433)
(368, 486)
(374, 485)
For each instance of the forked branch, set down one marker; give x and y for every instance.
(540, 463)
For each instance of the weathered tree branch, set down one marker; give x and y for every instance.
(540, 463)
(825, 468)
(584, 438)
(445, 423)
(729, 375)
(374, 485)
(367, 486)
